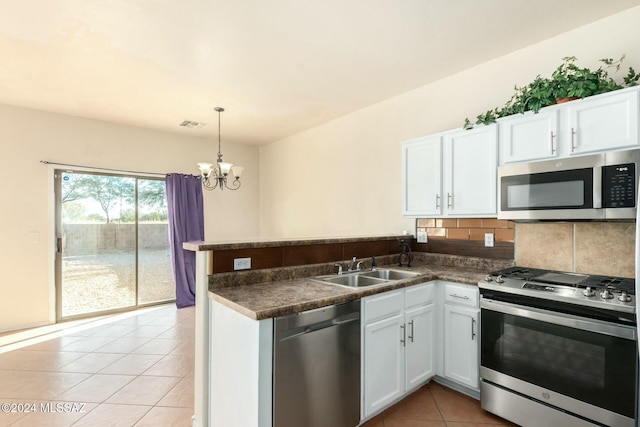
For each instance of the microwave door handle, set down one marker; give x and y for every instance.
(597, 187)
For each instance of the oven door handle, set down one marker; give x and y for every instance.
(568, 320)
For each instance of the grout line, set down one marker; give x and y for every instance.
(132, 377)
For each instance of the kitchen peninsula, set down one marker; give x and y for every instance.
(235, 325)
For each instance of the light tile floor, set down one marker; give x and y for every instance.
(132, 369)
(436, 406)
(136, 369)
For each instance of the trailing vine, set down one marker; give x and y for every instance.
(568, 81)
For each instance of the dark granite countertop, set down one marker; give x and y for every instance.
(269, 299)
(218, 246)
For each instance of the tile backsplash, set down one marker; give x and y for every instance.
(467, 228)
(605, 248)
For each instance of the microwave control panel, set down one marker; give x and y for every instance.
(619, 186)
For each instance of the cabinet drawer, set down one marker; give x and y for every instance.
(418, 295)
(381, 306)
(463, 295)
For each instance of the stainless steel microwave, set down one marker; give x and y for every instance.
(599, 186)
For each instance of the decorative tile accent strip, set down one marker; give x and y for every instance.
(467, 228)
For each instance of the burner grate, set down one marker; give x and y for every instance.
(523, 273)
(615, 284)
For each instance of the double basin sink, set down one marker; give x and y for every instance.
(367, 278)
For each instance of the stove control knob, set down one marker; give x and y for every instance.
(488, 278)
(624, 297)
(588, 292)
(499, 279)
(606, 293)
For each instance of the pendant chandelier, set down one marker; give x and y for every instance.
(217, 177)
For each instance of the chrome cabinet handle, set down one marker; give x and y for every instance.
(449, 201)
(459, 296)
(404, 336)
(473, 329)
(573, 145)
(411, 333)
(437, 201)
(553, 150)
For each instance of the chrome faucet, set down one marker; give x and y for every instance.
(373, 263)
(339, 268)
(406, 253)
(351, 264)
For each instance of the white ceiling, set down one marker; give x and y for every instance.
(277, 66)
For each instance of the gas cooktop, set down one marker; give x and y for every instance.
(611, 293)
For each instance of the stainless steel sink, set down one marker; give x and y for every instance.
(367, 278)
(387, 274)
(353, 280)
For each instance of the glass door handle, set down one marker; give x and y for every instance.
(59, 245)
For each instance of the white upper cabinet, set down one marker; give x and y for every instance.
(599, 123)
(470, 161)
(529, 137)
(422, 169)
(453, 174)
(604, 122)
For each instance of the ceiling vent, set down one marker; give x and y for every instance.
(192, 125)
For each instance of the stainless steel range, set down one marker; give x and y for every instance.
(559, 349)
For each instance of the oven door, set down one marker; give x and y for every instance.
(584, 366)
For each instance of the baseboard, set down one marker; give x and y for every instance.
(474, 393)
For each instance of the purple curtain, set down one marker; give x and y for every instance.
(186, 223)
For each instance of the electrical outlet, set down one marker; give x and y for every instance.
(242, 264)
(488, 239)
(422, 237)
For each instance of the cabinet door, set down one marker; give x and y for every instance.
(470, 172)
(419, 352)
(421, 179)
(529, 137)
(605, 122)
(383, 363)
(461, 345)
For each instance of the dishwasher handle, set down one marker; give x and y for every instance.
(315, 327)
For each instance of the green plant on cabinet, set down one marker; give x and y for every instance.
(567, 82)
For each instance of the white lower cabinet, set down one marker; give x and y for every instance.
(420, 323)
(398, 343)
(383, 363)
(461, 335)
(411, 335)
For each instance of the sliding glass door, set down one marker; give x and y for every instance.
(112, 243)
(155, 278)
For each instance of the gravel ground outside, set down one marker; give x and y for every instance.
(107, 280)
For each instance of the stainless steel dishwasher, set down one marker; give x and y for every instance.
(316, 368)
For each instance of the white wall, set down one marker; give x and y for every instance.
(28, 136)
(344, 177)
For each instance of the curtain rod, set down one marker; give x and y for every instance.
(103, 169)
